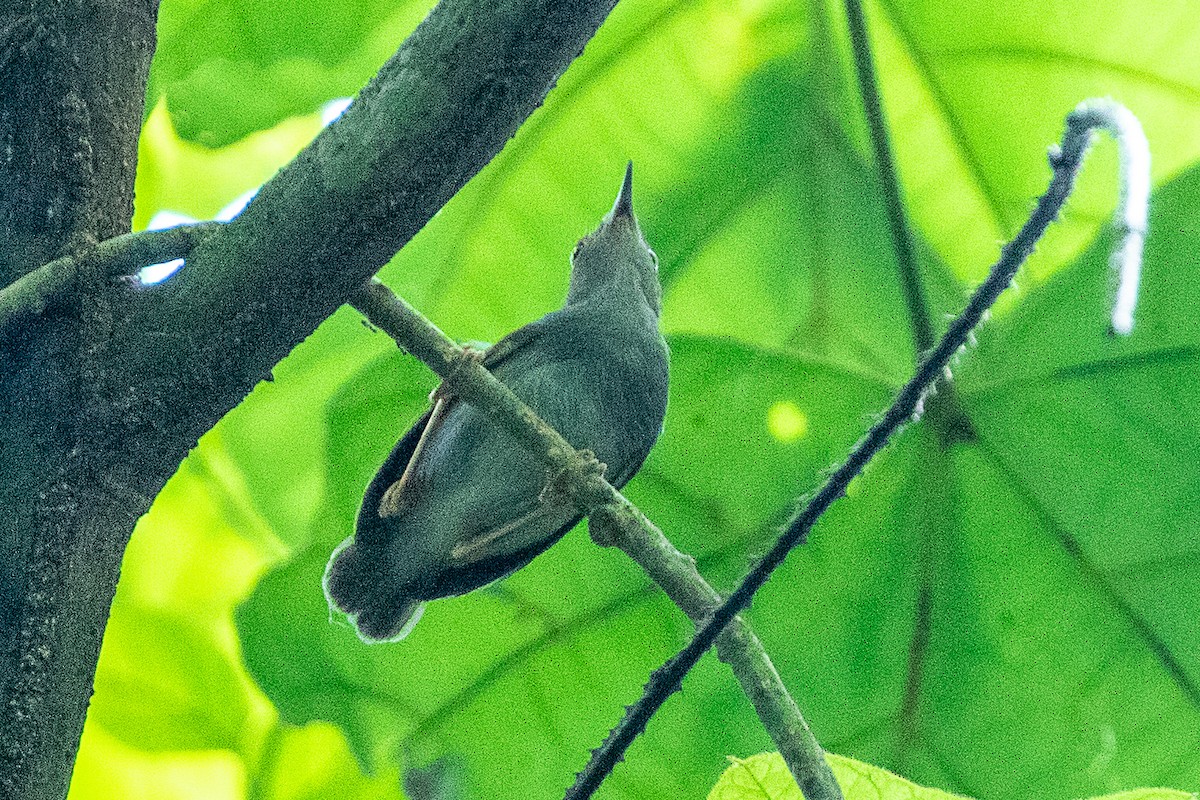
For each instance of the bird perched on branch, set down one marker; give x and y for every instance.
(459, 502)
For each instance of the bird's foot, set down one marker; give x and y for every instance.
(470, 354)
(562, 487)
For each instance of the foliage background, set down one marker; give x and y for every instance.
(1008, 617)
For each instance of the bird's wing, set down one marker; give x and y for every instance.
(509, 522)
(369, 529)
(490, 546)
(397, 485)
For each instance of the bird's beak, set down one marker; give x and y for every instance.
(623, 207)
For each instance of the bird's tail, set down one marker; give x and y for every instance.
(356, 586)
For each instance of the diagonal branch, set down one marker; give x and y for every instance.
(617, 522)
(1065, 162)
(35, 292)
(614, 520)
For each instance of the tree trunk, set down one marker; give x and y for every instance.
(105, 389)
(70, 113)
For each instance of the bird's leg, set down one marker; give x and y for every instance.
(491, 542)
(557, 489)
(394, 499)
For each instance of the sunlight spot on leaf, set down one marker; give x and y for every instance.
(786, 421)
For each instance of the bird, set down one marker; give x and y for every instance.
(459, 503)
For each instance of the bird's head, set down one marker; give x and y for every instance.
(614, 259)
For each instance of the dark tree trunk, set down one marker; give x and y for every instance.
(70, 114)
(105, 388)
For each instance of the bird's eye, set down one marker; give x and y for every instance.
(578, 247)
(654, 258)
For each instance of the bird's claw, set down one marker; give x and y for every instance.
(469, 354)
(559, 486)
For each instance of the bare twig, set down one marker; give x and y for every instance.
(1133, 202)
(665, 681)
(947, 417)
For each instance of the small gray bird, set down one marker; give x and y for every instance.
(459, 503)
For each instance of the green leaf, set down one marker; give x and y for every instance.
(178, 175)
(173, 708)
(169, 676)
(763, 211)
(1008, 616)
(277, 436)
(232, 67)
(199, 702)
(566, 634)
(975, 91)
(314, 763)
(939, 564)
(766, 777)
(965, 562)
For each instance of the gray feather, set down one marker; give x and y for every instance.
(469, 508)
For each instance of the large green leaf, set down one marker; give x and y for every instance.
(232, 67)
(1014, 616)
(939, 564)
(174, 714)
(766, 777)
(573, 625)
(946, 620)
(975, 89)
(199, 701)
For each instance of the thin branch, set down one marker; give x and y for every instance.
(665, 681)
(34, 292)
(474, 384)
(738, 646)
(614, 521)
(946, 416)
(906, 257)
